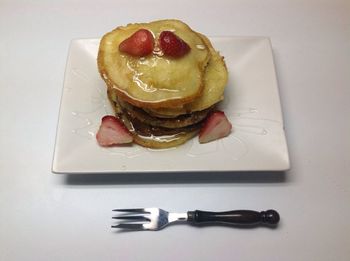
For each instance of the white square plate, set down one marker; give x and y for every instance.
(251, 103)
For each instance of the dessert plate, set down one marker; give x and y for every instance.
(252, 104)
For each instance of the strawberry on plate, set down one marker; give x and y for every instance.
(139, 44)
(216, 126)
(172, 45)
(112, 132)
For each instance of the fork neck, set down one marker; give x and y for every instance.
(177, 217)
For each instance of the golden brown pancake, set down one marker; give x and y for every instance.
(155, 80)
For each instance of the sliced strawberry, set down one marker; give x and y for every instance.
(216, 126)
(112, 132)
(139, 44)
(172, 45)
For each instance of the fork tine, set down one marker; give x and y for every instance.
(136, 218)
(129, 226)
(138, 210)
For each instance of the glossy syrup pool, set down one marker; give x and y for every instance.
(200, 47)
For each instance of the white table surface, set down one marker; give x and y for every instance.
(57, 217)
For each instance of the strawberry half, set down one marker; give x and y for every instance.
(216, 126)
(112, 132)
(139, 44)
(172, 45)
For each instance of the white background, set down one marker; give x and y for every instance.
(56, 217)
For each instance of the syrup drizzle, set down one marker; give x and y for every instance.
(235, 145)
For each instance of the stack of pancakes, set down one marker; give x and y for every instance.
(162, 100)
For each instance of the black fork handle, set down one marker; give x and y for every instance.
(235, 217)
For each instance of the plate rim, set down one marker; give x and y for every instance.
(55, 169)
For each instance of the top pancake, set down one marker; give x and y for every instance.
(154, 81)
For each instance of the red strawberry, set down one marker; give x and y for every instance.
(112, 132)
(172, 45)
(216, 126)
(140, 44)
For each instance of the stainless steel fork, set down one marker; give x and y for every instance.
(156, 218)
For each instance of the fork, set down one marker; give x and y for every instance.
(156, 218)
